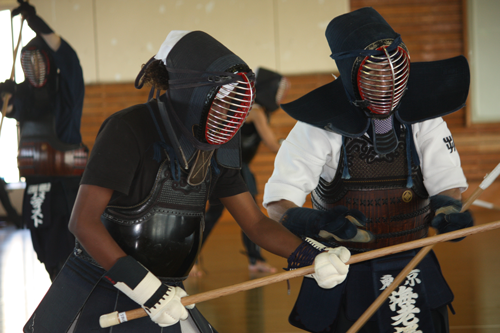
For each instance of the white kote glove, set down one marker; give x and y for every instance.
(169, 309)
(161, 302)
(329, 266)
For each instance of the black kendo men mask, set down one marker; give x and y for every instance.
(377, 85)
(39, 71)
(375, 65)
(210, 92)
(270, 87)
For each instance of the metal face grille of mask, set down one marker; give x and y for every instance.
(382, 80)
(229, 110)
(35, 63)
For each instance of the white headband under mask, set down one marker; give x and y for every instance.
(172, 38)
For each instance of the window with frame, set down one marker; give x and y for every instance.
(9, 38)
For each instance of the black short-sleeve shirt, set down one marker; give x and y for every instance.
(122, 158)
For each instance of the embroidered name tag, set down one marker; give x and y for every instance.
(38, 197)
(403, 303)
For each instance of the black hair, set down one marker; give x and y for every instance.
(156, 74)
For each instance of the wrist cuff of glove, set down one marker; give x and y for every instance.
(442, 201)
(155, 298)
(302, 221)
(38, 25)
(303, 256)
(135, 281)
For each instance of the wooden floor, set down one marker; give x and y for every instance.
(23, 279)
(472, 268)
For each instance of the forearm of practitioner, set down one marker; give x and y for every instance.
(259, 228)
(85, 223)
(258, 117)
(277, 209)
(329, 264)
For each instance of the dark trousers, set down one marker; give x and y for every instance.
(52, 240)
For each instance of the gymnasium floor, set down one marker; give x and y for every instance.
(472, 268)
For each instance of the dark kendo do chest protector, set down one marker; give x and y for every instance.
(164, 231)
(377, 186)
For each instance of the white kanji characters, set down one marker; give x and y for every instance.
(386, 281)
(403, 302)
(409, 329)
(450, 144)
(412, 278)
(37, 200)
(405, 299)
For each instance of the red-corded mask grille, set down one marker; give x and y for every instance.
(36, 66)
(382, 80)
(229, 110)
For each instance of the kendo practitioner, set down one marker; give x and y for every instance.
(139, 214)
(374, 141)
(48, 106)
(270, 88)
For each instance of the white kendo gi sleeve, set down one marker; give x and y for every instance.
(307, 153)
(439, 159)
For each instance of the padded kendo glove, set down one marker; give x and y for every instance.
(338, 222)
(7, 87)
(447, 215)
(161, 302)
(329, 263)
(34, 21)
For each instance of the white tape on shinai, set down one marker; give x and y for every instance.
(490, 178)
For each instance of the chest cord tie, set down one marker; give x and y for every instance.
(411, 154)
(175, 168)
(345, 171)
